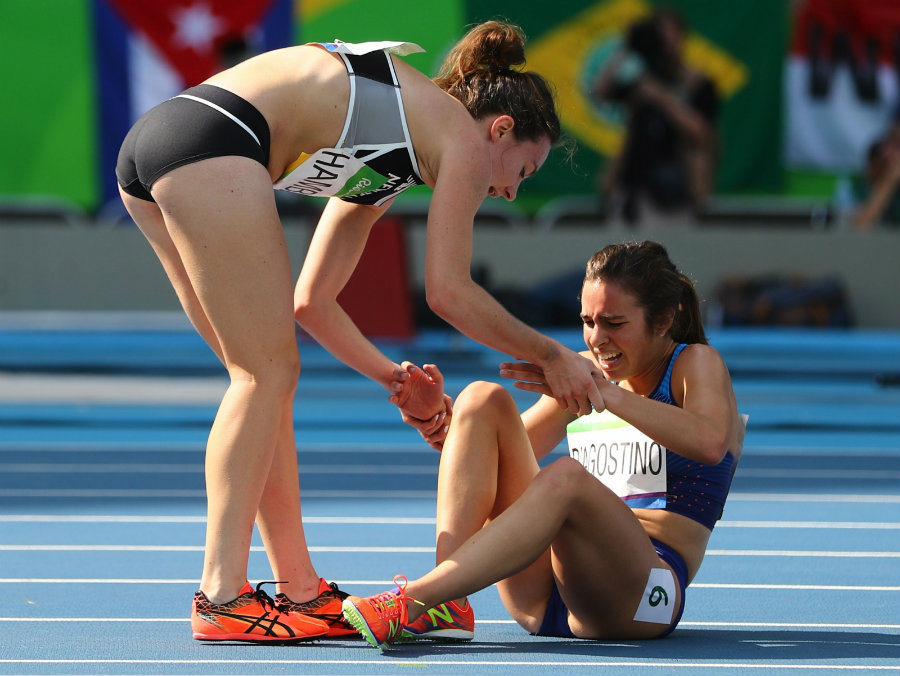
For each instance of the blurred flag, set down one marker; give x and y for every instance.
(841, 81)
(149, 51)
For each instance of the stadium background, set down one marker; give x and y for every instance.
(80, 71)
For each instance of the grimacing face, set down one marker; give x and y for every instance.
(617, 334)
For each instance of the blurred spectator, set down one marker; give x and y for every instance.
(667, 163)
(881, 191)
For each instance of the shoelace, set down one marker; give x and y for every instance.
(382, 602)
(264, 599)
(337, 592)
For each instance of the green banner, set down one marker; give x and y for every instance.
(434, 25)
(48, 135)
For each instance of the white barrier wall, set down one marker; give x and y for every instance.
(98, 267)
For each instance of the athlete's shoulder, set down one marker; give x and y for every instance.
(699, 360)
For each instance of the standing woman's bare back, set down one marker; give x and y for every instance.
(304, 91)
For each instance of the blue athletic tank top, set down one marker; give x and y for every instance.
(693, 489)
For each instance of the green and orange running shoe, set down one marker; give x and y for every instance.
(253, 617)
(380, 618)
(445, 622)
(326, 607)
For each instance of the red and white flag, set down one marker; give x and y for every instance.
(841, 81)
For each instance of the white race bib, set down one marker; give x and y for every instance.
(622, 458)
(658, 601)
(330, 173)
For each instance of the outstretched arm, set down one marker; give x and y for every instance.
(333, 254)
(455, 297)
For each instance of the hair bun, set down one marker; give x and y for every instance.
(473, 72)
(497, 45)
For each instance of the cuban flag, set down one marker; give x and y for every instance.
(147, 52)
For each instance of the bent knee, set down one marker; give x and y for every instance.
(484, 397)
(561, 479)
(564, 471)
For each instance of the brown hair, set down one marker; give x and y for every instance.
(479, 72)
(646, 272)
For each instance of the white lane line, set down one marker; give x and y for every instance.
(813, 497)
(683, 623)
(90, 580)
(199, 548)
(788, 625)
(788, 667)
(425, 550)
(400, 469)
(803, 553)
(199, 493)
(306, 446)
(158, 447)
(112, 518)
(695, 585)
(197, 468)
(409, 520)
(794, 587)
(762, 473)
(410, 494)
(830, 525)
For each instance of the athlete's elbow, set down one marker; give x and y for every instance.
(712, 450)
(305, 311)
(441, 300)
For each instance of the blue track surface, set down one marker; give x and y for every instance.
(101, 512)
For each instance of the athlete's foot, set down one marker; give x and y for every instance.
(326, 607)
(254, 617)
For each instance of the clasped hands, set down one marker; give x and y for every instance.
(419, 394)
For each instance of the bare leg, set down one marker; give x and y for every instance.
(149, 219)
(486, 464)
(279, 520)
(279, 516)
(486, 439)
(556, 525)
(601, 556)
(240, 299)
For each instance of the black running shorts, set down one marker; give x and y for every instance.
(183, 130)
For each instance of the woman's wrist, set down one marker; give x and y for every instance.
(442, 410)
(446, 410)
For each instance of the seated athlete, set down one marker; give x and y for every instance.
(601, 544)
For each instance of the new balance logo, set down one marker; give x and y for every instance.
(441, 612)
